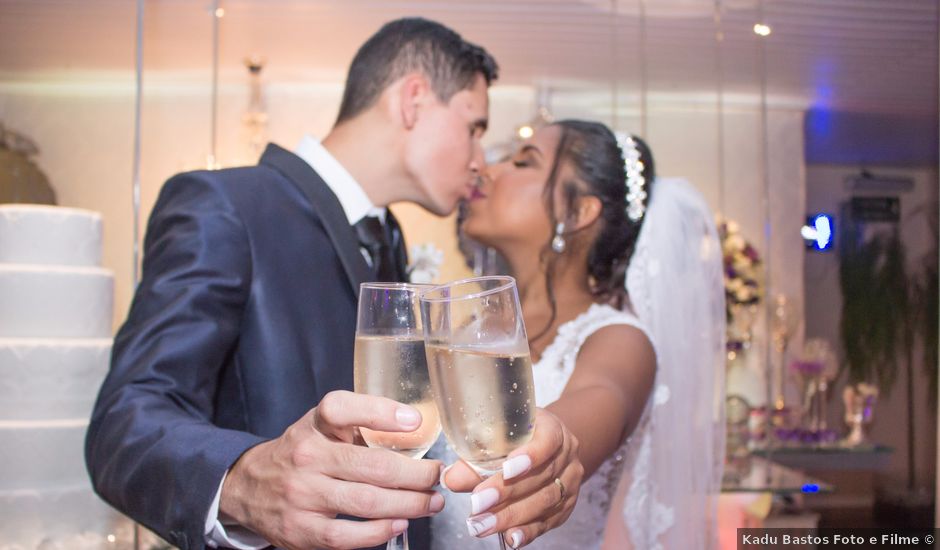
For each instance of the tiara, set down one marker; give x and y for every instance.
(636, 183)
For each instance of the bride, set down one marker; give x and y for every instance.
(619, 276)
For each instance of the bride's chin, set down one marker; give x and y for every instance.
(470, 223)
(470, 230)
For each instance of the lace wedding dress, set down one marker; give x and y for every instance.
(585, 527)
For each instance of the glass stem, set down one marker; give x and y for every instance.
(399, 543)
(486, 474)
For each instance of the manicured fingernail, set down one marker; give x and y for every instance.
(443, 475)
(516, 539)
(483, 501)
(516, 466)
(481, 525)
(408, 417)
(399, 526)
(437, 503)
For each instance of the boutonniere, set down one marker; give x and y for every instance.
(426, 260)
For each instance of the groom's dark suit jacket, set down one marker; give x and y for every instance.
(244, 319)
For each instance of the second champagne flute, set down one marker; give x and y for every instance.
(478, 359)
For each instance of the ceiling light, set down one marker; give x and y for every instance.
(761, 29)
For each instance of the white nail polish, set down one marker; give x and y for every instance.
(516, 466)
(443, 475)
(515, 540)
(483, 501)
(481, 524)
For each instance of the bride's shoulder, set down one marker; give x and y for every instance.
(617, 338)
(615, 334)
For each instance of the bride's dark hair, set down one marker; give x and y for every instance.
(593, 152)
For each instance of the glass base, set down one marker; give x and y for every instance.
(488, 468)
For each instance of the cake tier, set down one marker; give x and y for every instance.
(51, 378)
(49, 235)
(42, 455)
(61, 519)
(55, 302)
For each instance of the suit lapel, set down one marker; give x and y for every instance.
(327, 206)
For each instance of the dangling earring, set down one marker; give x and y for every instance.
(558, 243)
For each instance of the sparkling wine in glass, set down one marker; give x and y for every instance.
(478, 359)
(390, 361)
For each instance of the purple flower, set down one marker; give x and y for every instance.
(751, 253)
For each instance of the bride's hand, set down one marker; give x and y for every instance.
(536, 491)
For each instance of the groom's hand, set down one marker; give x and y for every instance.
(290, 490)
(536, 491)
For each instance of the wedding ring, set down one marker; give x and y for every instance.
(562, 490)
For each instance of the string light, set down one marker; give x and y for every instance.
(761, 29)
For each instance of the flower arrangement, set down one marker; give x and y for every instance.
(425, 265)
(743, 266)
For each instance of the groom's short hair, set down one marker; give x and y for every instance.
(413, 44)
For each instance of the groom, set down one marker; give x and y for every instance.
(220, 423)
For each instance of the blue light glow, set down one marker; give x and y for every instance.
(818, 232)
(810, 488)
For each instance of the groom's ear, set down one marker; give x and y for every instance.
(587, 211)
(415, 90)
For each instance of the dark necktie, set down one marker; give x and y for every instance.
(373, 237)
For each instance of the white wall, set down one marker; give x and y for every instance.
(84, 127)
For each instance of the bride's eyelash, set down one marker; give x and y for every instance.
(520, 163)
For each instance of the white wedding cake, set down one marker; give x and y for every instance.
(55, 327)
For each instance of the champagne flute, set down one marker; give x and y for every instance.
(481, 373)
(390, 361)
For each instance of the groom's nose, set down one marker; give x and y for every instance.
(478, 158)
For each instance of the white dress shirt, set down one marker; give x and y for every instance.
(356, 205)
